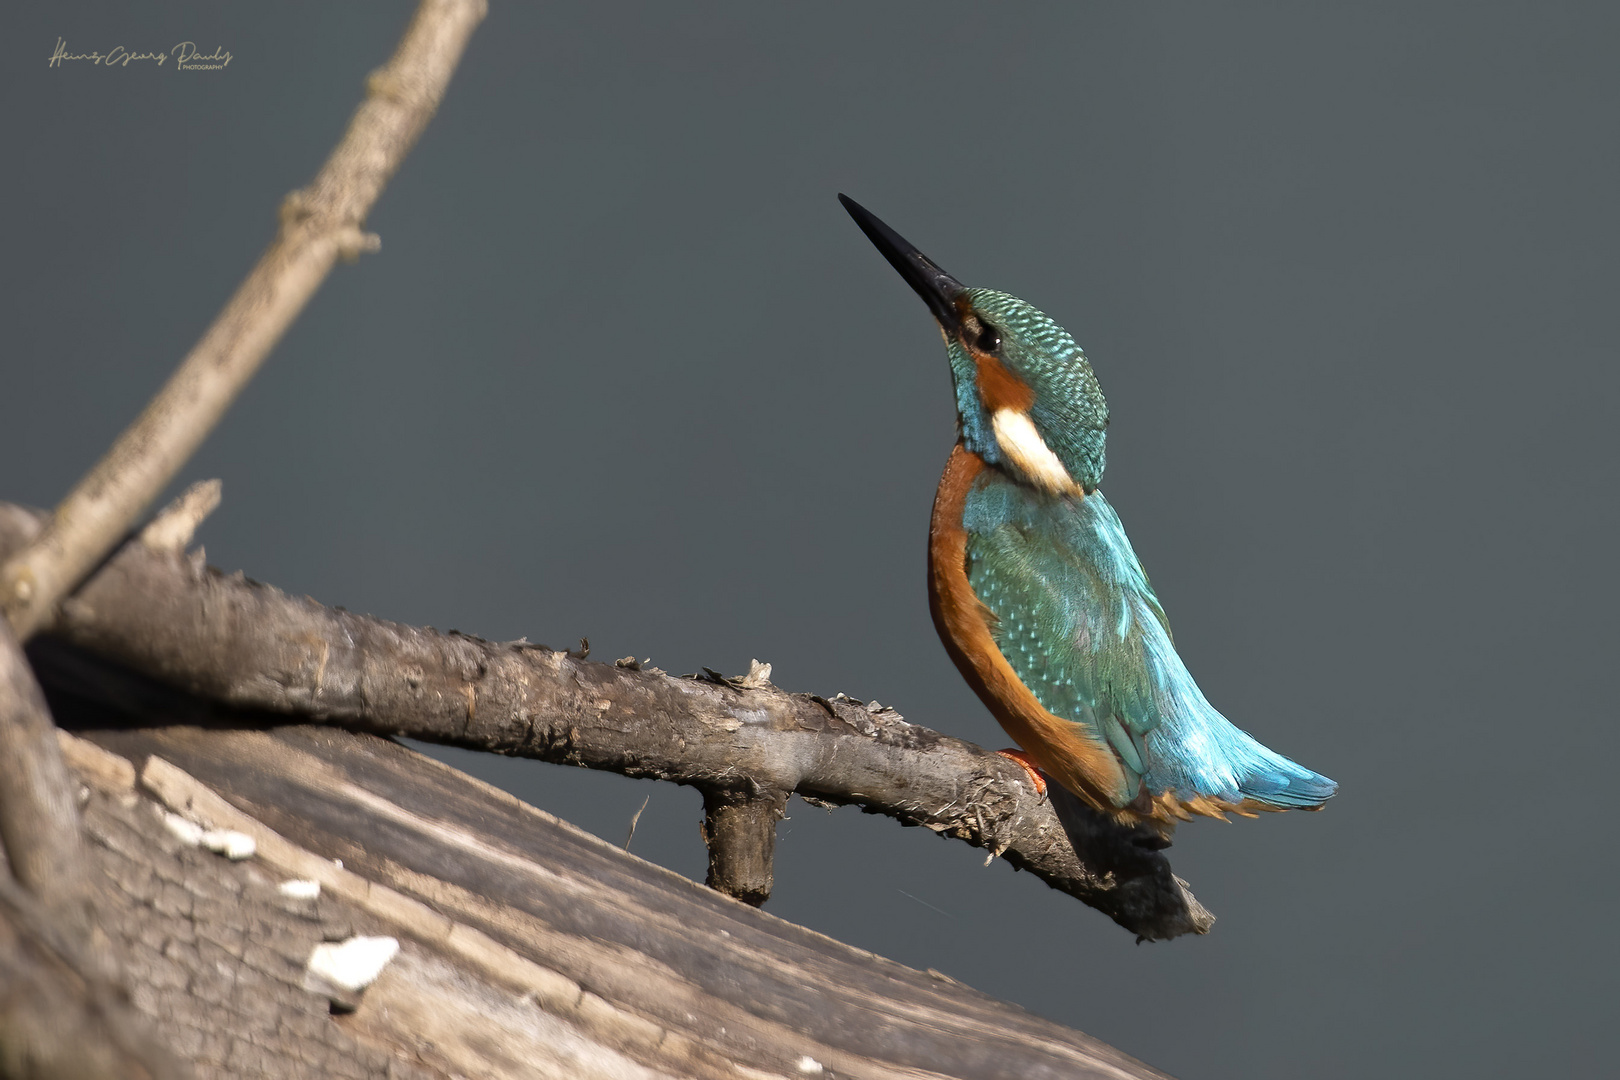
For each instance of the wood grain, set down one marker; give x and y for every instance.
(675, 977)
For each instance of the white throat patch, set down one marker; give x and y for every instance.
(1025, 448)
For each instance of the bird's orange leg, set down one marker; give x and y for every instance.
(1035, 775)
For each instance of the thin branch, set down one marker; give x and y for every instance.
(319, 225)
(248, 645)
(173, 529)
(39, 815)
(740, 830)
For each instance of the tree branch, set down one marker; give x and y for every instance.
(318, 225)
(740, 831)
(39, 816)
(248, 645)
(63, 1013)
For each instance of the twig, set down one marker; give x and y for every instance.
(248, 645)
(319, 225)
(741, 833)
(173, 529)
(634, 820)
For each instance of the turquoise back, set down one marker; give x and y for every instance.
(1076, 617)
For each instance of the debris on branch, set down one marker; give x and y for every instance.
(744, 743)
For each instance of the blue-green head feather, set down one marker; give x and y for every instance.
(1064, 401)
(1025, 393)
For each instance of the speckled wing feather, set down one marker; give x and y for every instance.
(1074, 615)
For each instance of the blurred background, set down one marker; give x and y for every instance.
(623, 369)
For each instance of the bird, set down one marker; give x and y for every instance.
(1037, 594)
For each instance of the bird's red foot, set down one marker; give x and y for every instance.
(1028, 763)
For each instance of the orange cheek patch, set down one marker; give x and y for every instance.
(1000, 388)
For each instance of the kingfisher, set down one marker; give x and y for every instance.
(1036, 593)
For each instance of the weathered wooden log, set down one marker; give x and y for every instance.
(528, 948)
(61, 1018)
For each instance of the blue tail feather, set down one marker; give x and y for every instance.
(1195, 750)
(1079, 624)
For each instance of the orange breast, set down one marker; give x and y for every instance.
(1063, 749)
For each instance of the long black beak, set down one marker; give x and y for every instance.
(937, 288)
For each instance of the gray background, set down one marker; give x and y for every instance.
(624, 369)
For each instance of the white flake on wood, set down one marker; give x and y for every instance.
(354, 964)
(230, 843)
(186, 831)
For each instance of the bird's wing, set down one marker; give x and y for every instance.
(1071, 610)
(1073, 613)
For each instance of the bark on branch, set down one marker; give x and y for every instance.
(319, 225)
(39, 819)
(740, 830)
(63, 1013)
(232, 640)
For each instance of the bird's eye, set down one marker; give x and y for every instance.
(988, 339)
